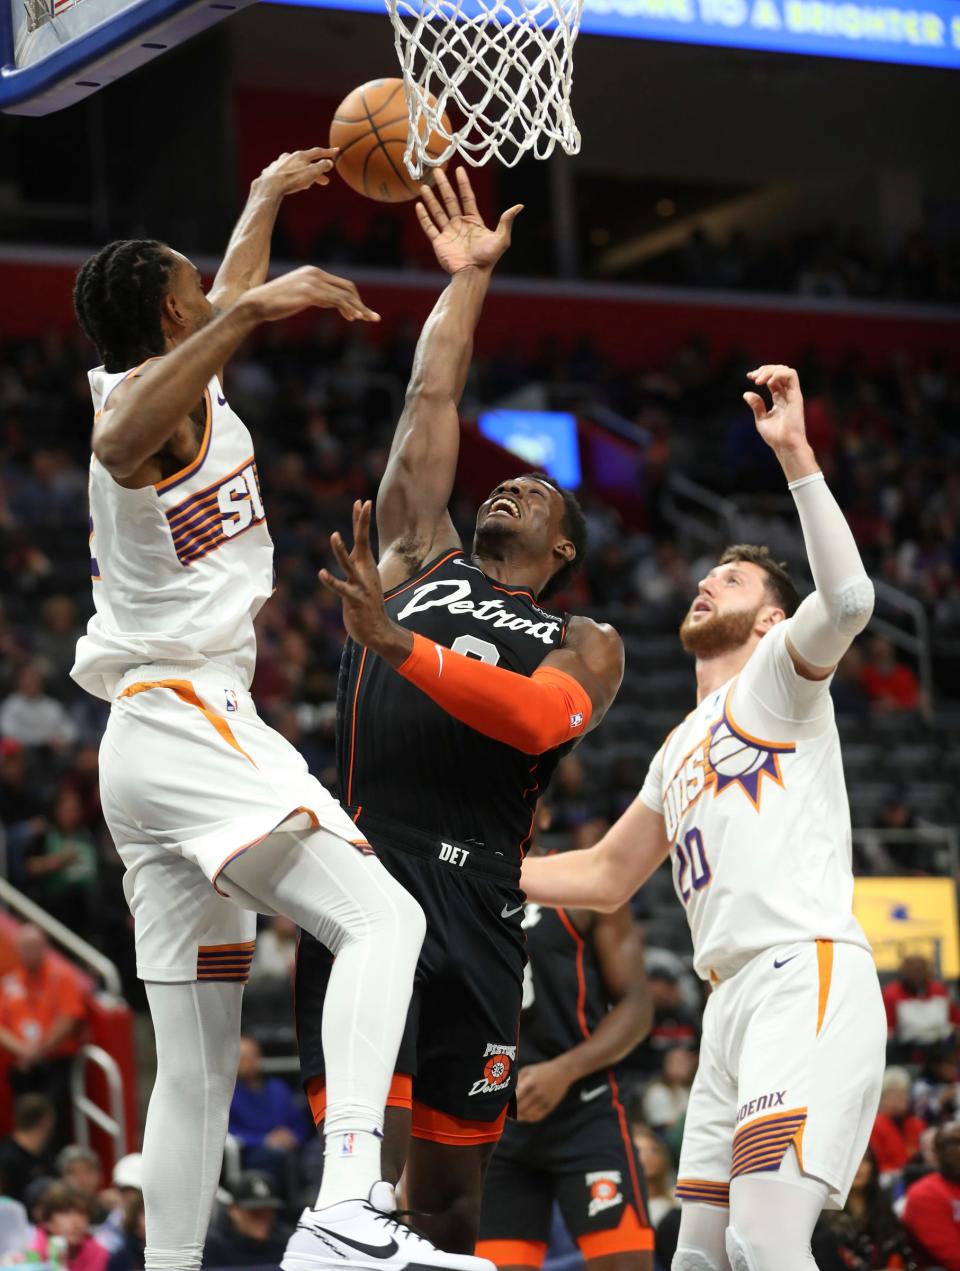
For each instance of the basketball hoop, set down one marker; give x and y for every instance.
(502, 68)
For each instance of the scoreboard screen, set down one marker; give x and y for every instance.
(923, 34)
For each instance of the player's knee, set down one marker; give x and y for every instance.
(742, 1253)
(764, 1250)
(692, 1260)
(412, 920)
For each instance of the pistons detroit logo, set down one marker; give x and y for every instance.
(604, 1191)
(497, 1067)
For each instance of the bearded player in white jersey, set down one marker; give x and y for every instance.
(213, 813)
(747, 793)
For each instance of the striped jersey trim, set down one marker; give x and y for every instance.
(703, 1191)
(225, 962)
(760, 1146)
(196, 524)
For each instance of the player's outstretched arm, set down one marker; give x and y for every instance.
(533, 714)
(827, 621)
(412, 519)
(148, 408)
(618, 945)
(247, 257)
(603, 877)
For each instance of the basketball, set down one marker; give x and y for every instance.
(370, 127)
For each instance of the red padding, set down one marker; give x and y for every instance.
(533, 714)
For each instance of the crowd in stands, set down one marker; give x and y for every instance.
(901, 1214)
(825, 260)
(323, 407)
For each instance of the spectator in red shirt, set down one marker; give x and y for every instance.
(889, 684)
(932, 1212)
(896, 1133)
(41, 1013)
(921, 1015)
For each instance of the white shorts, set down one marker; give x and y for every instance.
(792, 1054)
(190, 777)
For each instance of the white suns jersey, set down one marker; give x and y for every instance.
(751, 790)
(181, 568)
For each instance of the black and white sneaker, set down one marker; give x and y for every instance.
(365, 1234)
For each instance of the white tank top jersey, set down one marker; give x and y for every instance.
(180, 569)
(751, 790)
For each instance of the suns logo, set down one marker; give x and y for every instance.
(604, 1191)
(725, 757)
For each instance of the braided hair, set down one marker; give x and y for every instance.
(118, 297)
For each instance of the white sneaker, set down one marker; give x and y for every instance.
(364, 1234)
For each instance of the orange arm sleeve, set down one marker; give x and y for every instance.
(533, 714)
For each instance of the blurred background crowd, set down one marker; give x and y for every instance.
(322, 403)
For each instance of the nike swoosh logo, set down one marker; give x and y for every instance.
(587, 1095)
(373, 1251)
(223, 402)
(778, 965)
(507, 912)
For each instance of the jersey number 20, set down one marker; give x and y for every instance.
(693, 868)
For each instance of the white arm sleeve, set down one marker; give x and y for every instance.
(822, 631)
(771, 699)
(651, 792)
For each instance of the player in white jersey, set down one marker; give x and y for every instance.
(747, 793)
(214, 814)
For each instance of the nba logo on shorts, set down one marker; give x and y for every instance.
(233, 703)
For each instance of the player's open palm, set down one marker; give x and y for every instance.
(360, 590)
(455, 228)
(781, 425)
(305, 288)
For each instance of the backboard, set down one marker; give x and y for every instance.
(54, 52)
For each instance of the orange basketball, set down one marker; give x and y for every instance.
(370, 127)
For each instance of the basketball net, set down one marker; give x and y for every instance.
(505, 67)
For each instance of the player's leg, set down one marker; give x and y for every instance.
(444, 1188)
(704, 1173)
(314, 965)
(374, 928)
(184, 931)
(197, 1028)
(815, 1048)
(772, 1217)
(701, 1243)
(599, 1181)
(516, 1209)
(466, 1048)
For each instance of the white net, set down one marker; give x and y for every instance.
(500, 70)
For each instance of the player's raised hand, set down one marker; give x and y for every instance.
(305, 288)
(781, 425)
(299, 169)
(450, 219)
(359, 590)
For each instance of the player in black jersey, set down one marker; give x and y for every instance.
(458, 694)
(585, 1006)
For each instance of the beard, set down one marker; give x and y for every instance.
(494, 542)
(720, 633)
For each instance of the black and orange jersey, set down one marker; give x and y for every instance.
(564, 997)
(401, 758)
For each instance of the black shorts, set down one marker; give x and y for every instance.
(581, 1156)
(460, 1040)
